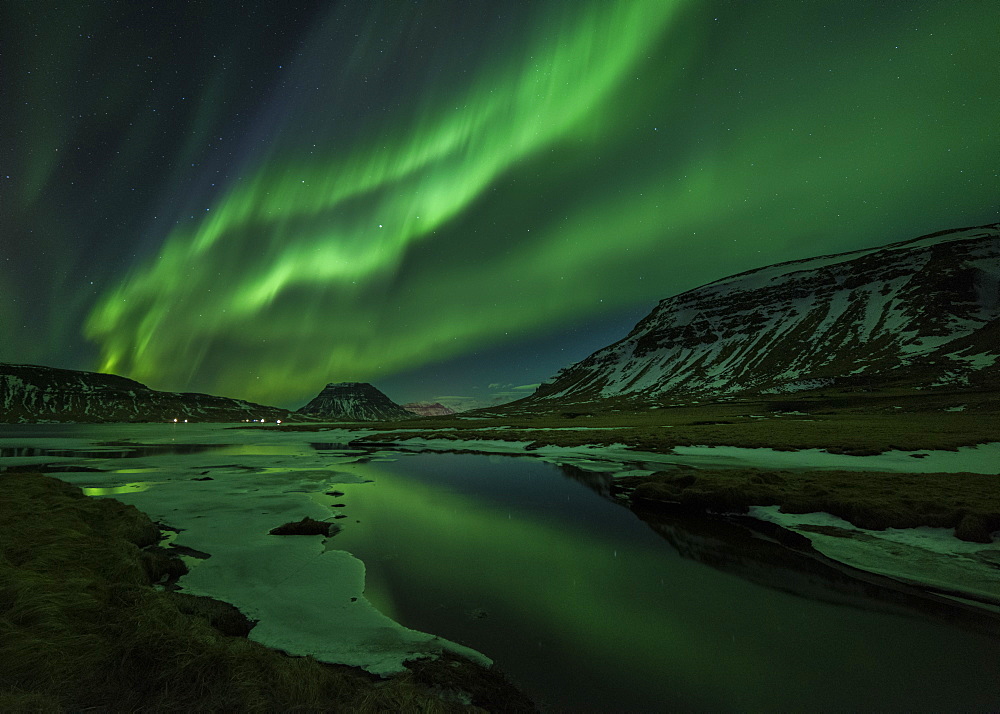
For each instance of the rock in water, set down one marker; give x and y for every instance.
(918, 313)
(354, 401)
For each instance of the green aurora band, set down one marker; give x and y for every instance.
(582, 172)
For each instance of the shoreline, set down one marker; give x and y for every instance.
(665, 484)
(951, 544)
(90, 624)
(975, 514)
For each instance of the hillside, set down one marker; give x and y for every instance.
(921, 313)
(32, 393)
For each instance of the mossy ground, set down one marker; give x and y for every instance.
(81, 628)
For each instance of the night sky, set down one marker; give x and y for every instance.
(454, 198)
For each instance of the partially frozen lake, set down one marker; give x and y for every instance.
(586, 606)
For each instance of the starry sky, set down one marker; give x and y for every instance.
(453, 199)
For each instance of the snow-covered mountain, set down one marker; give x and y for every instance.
(354, 401)
(31, 393)
(923, 312)
(428, 409)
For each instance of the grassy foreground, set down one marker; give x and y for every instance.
(81, 627)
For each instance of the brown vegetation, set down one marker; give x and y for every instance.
(969, 503)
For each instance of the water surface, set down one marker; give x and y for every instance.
(590, 608)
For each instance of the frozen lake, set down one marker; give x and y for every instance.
(583, 604)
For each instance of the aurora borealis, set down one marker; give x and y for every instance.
(434, 195)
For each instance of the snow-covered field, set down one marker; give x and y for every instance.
(981, 459)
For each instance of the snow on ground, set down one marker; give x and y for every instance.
(982, 459)
(927, 556)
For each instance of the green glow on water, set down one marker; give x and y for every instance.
(136, 487)
(614, 610)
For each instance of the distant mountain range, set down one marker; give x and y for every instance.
(919, 313)
(31, 393)
(354, 401)
(428, 409)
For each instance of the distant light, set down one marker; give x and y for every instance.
(175, 421)
(185, 421)
(279, 421)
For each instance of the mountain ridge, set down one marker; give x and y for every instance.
(919, 312)
(36, 393)
(428, 408)
(354, 401)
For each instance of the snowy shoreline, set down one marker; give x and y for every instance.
(931, 558)
(223, 504)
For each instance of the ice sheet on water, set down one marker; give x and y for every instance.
(307, 595)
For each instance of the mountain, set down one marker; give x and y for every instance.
(428, 409)
(354, 401)
(923, 312)
(31, 393)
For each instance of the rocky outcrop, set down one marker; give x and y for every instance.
(32, 393)
(354, 401)
(428, 409)
(922, 313)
